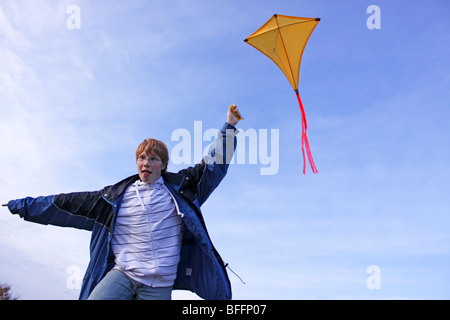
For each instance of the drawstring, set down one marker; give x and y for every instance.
(136, 184)
(227, 266)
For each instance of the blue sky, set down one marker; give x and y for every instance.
(75, 103)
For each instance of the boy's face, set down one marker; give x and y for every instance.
(149, 167)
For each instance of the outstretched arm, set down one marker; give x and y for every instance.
(75, 210)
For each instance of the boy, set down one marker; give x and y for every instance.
(148, 233)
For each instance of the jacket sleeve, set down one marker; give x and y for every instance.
(64, 210)
(212, 169)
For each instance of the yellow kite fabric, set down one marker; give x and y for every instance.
(283, 40)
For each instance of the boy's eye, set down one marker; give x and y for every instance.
(152, 159)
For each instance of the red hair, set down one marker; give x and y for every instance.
(154, 147)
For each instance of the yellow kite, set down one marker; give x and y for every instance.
(283, 39)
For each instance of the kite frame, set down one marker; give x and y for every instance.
(257, 34)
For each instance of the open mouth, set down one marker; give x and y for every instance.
(146, 172)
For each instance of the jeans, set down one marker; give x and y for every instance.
(117, 286)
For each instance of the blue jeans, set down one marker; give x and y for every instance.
(117, 286)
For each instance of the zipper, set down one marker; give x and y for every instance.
(149, 225)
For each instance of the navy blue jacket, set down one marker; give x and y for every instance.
(200, 270)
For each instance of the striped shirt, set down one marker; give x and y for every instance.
(147, 235)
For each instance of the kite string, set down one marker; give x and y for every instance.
(305, 142)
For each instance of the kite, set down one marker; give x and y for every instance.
(283, 40)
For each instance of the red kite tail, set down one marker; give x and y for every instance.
(305, 142)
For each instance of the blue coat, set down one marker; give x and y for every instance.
(200, 270)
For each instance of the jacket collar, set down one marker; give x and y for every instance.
(173, 178)
(112, 193)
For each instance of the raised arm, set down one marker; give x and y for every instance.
(212, 169)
